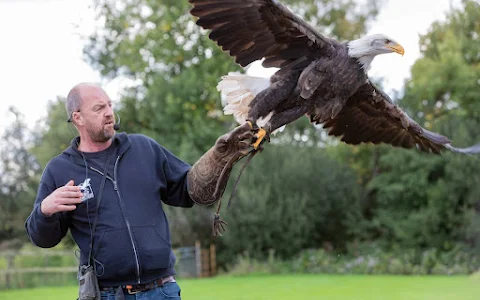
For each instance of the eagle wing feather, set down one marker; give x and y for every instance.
(370, 116)
(252, 30)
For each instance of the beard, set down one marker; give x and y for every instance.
(101, 134)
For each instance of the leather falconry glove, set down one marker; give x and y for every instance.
(208, 177)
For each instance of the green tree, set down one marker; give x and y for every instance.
(19, 174)
(445, 79)
(427, 201)
(290, 199)
(54, 134)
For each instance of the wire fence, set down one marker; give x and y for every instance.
(29, 269)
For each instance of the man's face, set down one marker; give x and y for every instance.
(97, 113)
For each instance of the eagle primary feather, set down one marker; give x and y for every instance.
(318, 76)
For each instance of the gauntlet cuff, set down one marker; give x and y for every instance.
(208, 177)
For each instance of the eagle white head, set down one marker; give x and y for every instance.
(366, 48)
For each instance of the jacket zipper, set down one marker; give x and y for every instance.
(129, 229)
(101, 173)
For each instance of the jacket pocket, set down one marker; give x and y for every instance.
(154, 249)
(114, 256)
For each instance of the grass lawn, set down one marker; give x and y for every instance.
(301, 287)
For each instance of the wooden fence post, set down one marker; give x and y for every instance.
(213, 260)
(198, 258)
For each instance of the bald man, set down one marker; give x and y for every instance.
(132, 255)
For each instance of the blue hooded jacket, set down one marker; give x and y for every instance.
(132, 238)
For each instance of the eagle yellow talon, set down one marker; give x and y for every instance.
(260, 136)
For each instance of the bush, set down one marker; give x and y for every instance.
(380, 263)
(245, 264)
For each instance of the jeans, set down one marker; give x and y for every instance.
(170, 291)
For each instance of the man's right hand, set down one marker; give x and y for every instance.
(64, 198)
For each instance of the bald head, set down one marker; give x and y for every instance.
(74, 97)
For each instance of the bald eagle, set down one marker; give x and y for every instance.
(319, 77)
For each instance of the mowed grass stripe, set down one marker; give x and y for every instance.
(300, 287)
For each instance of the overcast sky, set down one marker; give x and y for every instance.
(41, 52)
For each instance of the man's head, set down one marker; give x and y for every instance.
(90, 109)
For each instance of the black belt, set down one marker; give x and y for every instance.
(137, 288)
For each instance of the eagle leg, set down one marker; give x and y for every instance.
(260, 137)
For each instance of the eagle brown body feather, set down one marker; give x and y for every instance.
(317, 77)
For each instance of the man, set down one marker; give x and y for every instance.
(132, 252)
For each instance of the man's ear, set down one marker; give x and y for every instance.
(77, 118)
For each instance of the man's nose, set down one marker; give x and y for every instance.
(109, 112)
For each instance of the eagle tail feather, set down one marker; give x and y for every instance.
(239, 90)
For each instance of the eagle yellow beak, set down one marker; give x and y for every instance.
(397, 48)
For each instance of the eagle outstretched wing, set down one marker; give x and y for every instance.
(254, 29)
(370, 116)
